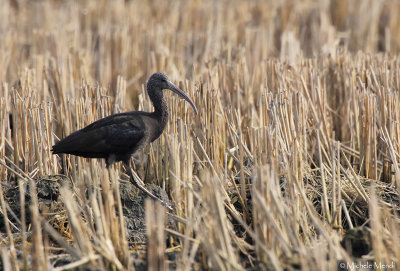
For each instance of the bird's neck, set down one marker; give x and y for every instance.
(160, 108)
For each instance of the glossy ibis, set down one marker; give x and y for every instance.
(117, 137)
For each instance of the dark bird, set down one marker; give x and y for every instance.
(117, 137)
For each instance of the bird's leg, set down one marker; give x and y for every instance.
(110, 160)
(135, 179)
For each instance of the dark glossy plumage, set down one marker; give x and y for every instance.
(117, 137)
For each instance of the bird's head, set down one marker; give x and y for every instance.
(160, 81)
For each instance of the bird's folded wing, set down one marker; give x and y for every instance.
(106, 139)
(124, 136)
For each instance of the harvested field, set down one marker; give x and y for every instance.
(291, 164)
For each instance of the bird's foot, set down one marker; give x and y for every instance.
(135, 179)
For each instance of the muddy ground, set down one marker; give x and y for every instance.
(50, 204)
(356, 241)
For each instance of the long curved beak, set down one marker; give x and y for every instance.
(175, 89)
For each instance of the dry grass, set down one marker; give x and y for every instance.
(295, 147)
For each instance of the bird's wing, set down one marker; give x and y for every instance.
(124, 136)
(100, 140)
(110, 120)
